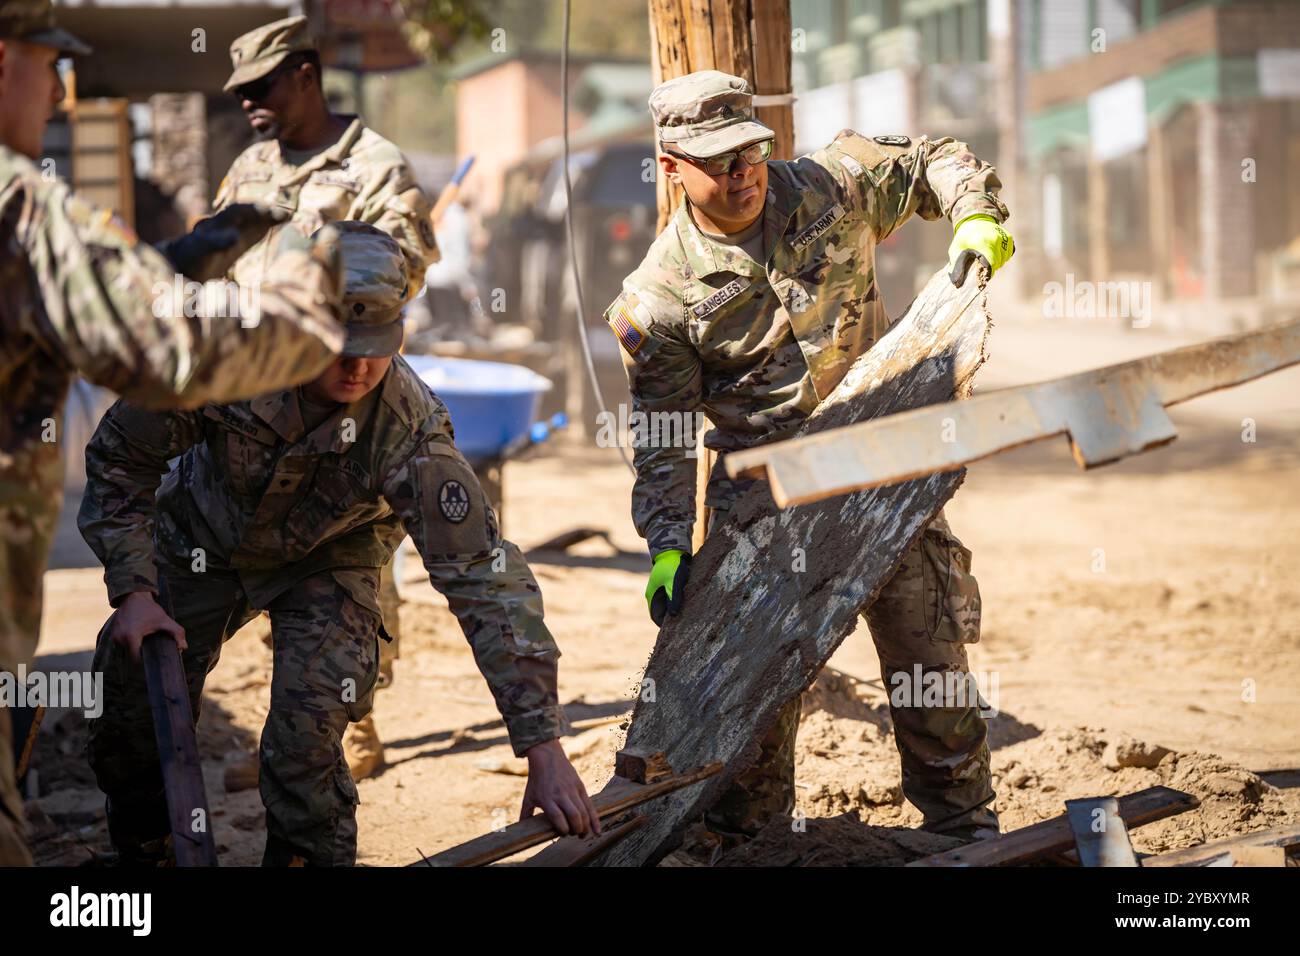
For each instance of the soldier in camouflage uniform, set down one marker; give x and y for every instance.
(750, 307)
(292, 502)
(79, 294)
(317, 168)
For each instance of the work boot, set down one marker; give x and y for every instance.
(973, 834)
(362, 748)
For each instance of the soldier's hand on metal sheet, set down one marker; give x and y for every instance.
(555, 787)
(667, 588)
(138, 616)
(215, 243)
(984, 236)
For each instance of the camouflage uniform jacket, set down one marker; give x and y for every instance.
(78, 294)
(361, 177)
(706, 328)
(257, 495)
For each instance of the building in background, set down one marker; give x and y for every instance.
(1144, 140)
(1163, 140)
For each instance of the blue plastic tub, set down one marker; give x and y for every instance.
(491, 403)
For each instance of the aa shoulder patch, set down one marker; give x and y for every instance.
(453, 501)
(630, 334)
(893, 140)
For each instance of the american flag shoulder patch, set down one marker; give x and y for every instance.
(631, 335)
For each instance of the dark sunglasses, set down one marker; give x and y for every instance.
(257, 90)
(723, 163)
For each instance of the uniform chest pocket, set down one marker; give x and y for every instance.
(243, 451)
(252, 186)
(338, 497)
(735, 327)
(328, 198)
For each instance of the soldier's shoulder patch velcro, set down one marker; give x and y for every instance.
(408, 395)
(621, 318)
(893, 140)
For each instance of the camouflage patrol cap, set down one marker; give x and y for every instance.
(260, 51)
(706, 113)
(374, 288)
(33, 22)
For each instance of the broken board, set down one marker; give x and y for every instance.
(1108, 413)
(753, 632)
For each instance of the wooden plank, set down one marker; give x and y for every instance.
(616, 798)
(1109, 413)
(564, 852)
(641, 767)
(29, 743)
(1284, 837)
(178, 752)
(1054, 836)
(752, 635)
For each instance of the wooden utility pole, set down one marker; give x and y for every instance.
(749, 38)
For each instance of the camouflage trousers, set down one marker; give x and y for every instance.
(13, 828)
(325, 645)
(925, 615)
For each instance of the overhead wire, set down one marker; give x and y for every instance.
(573, 243)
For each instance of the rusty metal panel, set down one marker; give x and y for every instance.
(1109, 413)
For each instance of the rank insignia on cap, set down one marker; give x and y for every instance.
(893, 140)
(630, 335)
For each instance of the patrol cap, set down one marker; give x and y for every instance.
(260, 51)
(33, 22)
(374, 288)
(706, 113)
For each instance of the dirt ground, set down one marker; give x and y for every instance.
(1153, 600)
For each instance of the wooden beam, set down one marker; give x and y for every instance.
(641, 767)
(616, 798)
(581, 852)
(1109, 413)
(178, 752)
(752, 634)
(1051, 837)
(1286, 838)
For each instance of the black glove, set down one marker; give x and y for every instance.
(212, 246)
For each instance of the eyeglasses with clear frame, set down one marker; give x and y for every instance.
(723, 163)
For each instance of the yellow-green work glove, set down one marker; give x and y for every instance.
(984, 236)
(667, 588)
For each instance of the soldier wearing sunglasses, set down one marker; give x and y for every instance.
(750, 307)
